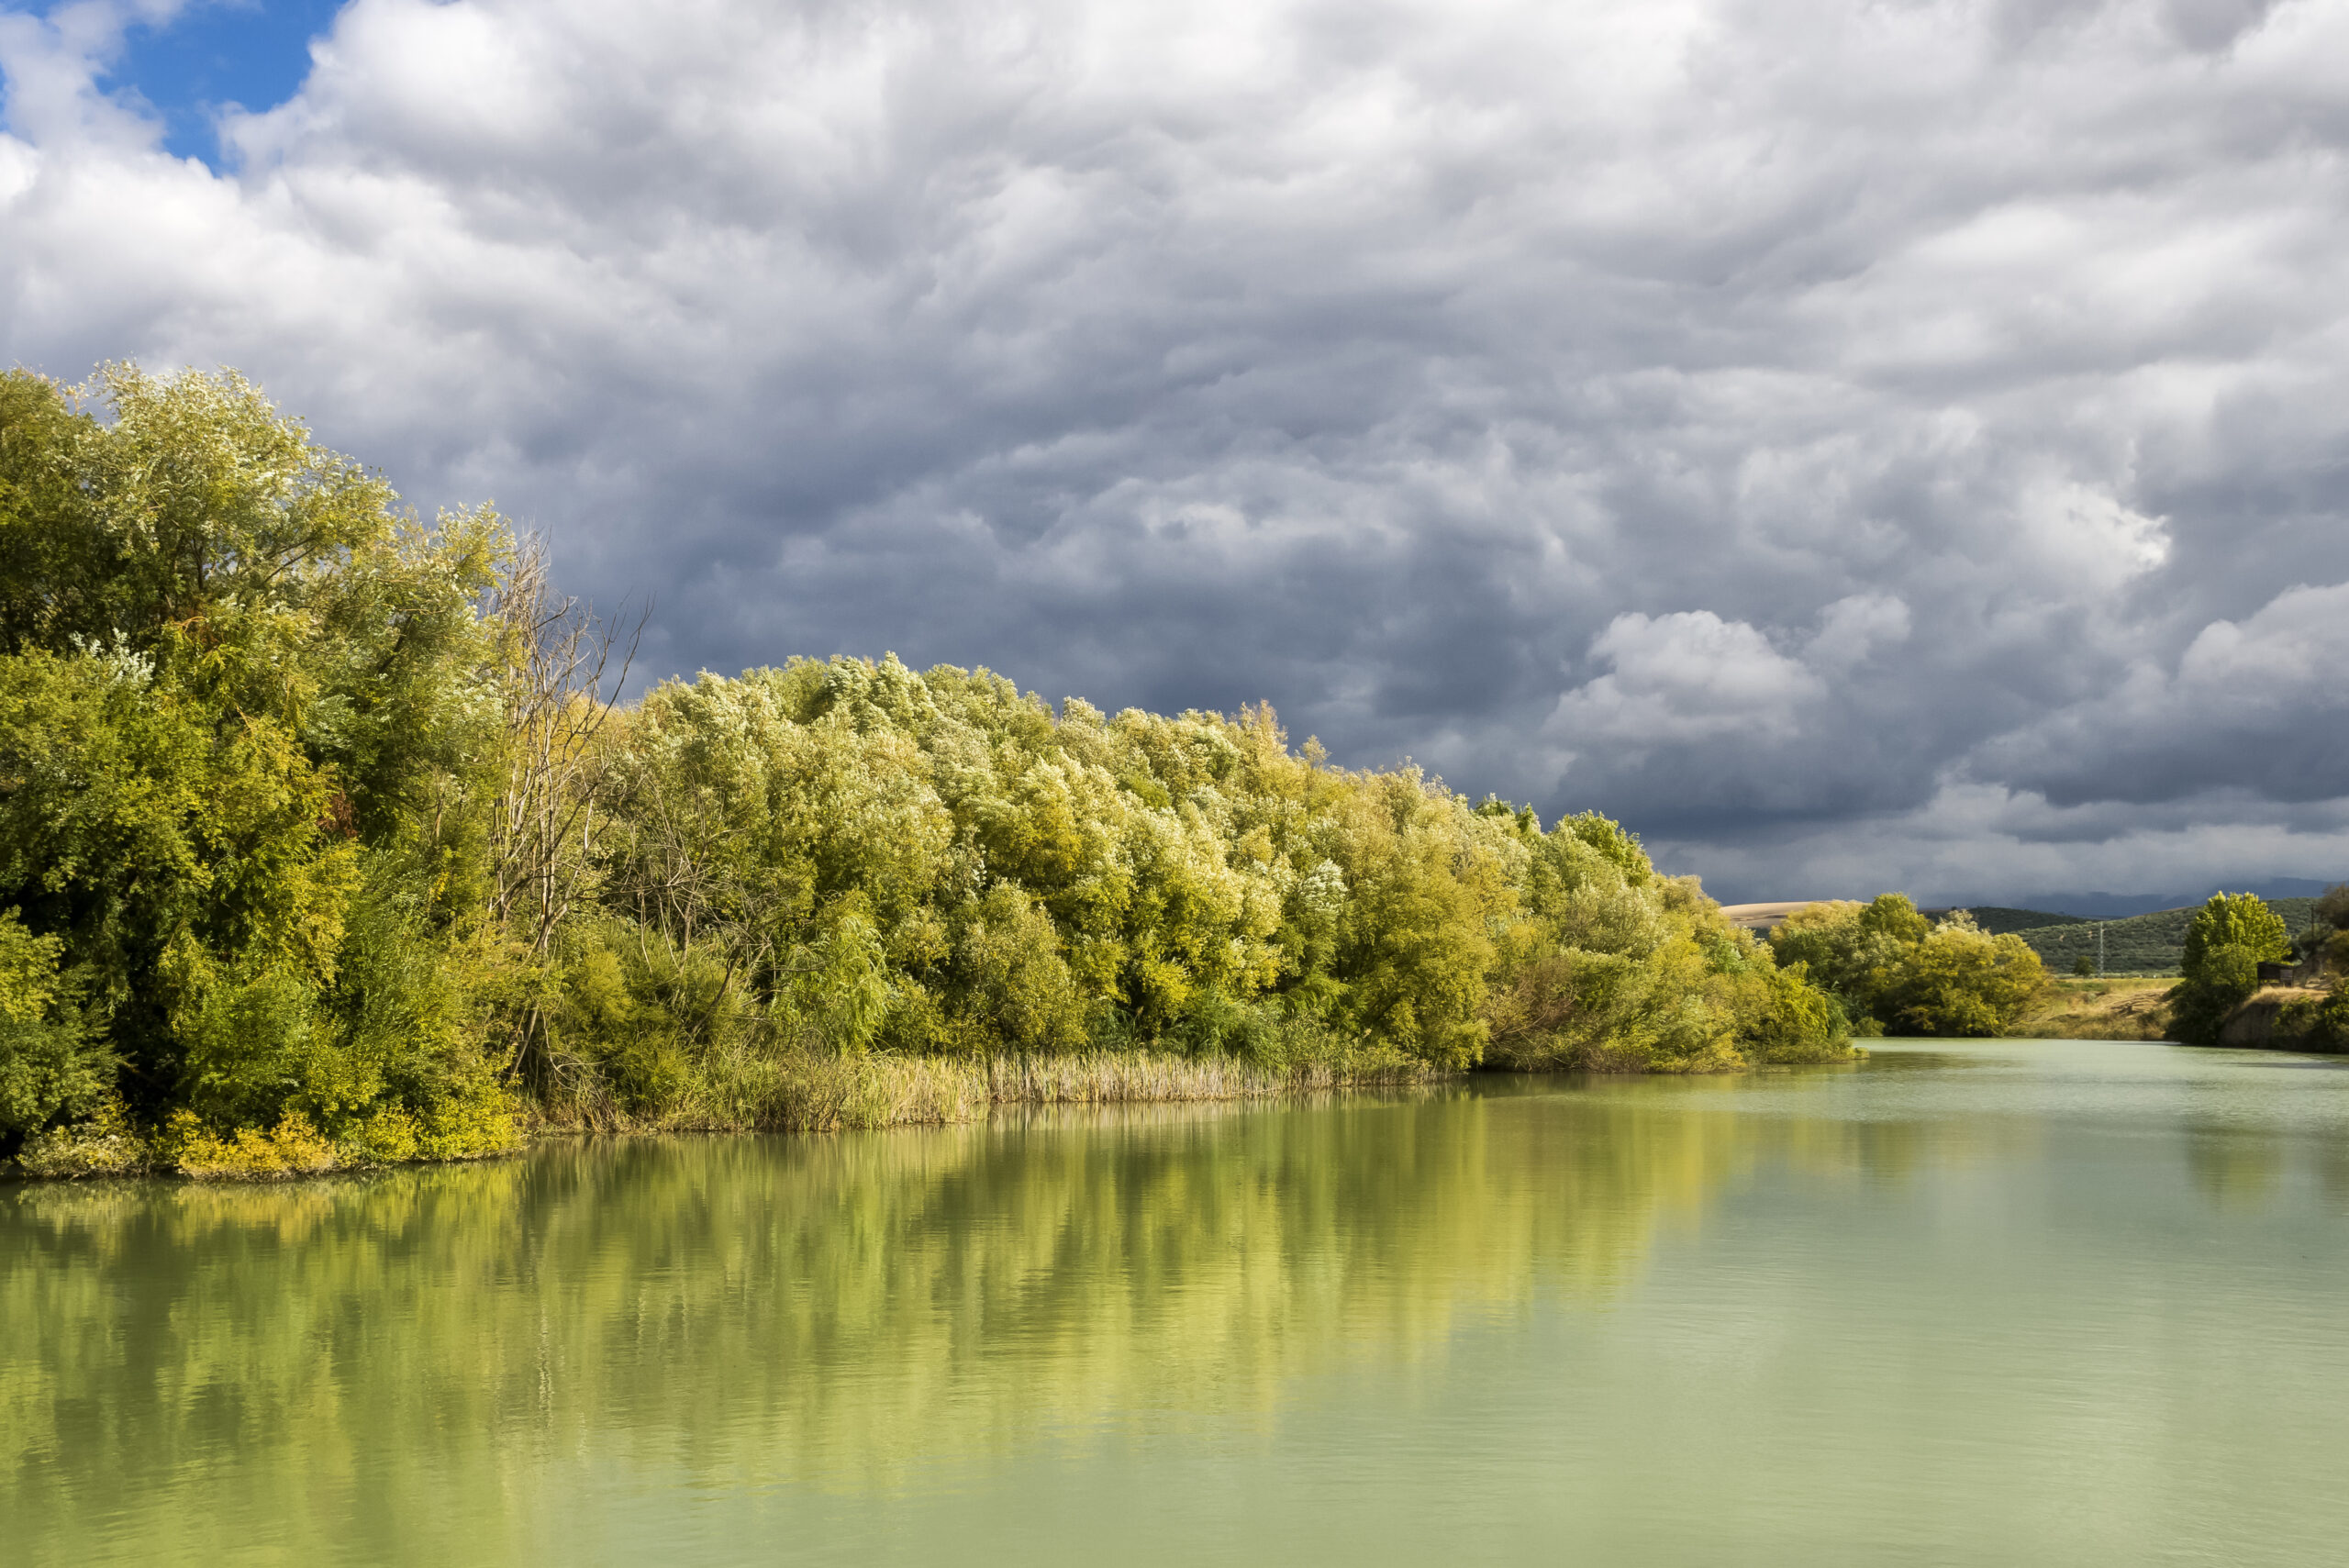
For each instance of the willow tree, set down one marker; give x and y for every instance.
(244, 698)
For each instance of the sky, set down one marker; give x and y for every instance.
(1858, 445)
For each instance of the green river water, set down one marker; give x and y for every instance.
(1998, 1303)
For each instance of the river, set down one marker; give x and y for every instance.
(1996, 1303)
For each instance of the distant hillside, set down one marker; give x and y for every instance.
(2277, 890)
(1997, 917)
(2142, 944)
(1992, 917)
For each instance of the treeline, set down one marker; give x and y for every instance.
(322, 841)
(1894, 970)
(1890, 969)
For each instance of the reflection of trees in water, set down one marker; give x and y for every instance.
(2236, 1168)
(418, 1346)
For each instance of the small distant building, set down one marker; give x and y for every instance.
(2310, 970)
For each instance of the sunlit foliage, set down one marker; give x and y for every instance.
(239, 696)
(317, 847)
(2230, 936)
(1897, 971)
(860, 857)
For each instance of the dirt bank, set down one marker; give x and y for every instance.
(2254, 1023)
(2097, 1009)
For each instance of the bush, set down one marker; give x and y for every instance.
(2320, 1025)
(53, 1064)
(292, 1148)
(1894, 970)
(104, 1143)
(1960, 982)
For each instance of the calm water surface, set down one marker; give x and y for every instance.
(2004, 1303)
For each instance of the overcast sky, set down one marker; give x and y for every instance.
(1859, 445)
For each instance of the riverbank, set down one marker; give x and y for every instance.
(2111, 1009)
(2287, 1017)
(796, 1094)
(859, 1094)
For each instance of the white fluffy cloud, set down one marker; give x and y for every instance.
(1786, 425)
(1685, 679)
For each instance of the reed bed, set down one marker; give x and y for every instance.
(1130, 1077)
(808, 1092)
(821, 1093)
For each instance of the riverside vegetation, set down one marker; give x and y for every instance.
(323, 844)
(1894, 970)
(2229, 936)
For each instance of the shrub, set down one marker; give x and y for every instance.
(104, 1143)
(292, 1148)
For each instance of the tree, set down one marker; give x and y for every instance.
(1960, 980)
(241, 700)
(1888, 963)
(2227, 940)
(325, 837)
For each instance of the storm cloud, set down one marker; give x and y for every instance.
(1860, 445)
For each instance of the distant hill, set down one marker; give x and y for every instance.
(2120, 905)
(1997, 917)
(1763, 916)
(2141, 944)
(2146, 943)
(1992, 917)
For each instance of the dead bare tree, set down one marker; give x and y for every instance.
(559, 689)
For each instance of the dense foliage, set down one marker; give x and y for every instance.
(241, 698)
(2322, 1022)
(863, 858)
(1897, 971)
(2227, 940)
(321, 841)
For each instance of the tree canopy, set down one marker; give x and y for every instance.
(1894, 971)
(2230, 936)
(323, 839)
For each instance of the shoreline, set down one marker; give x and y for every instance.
(807, 1095)
(816, 1095)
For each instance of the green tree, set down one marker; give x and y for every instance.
(323, 841)
(52, 1064)
(2227, 940)
(1960, 980)
(1888, 964)
(241, 716)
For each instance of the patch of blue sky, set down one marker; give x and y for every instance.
(254, 53)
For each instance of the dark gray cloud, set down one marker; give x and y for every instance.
(1859, 445)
